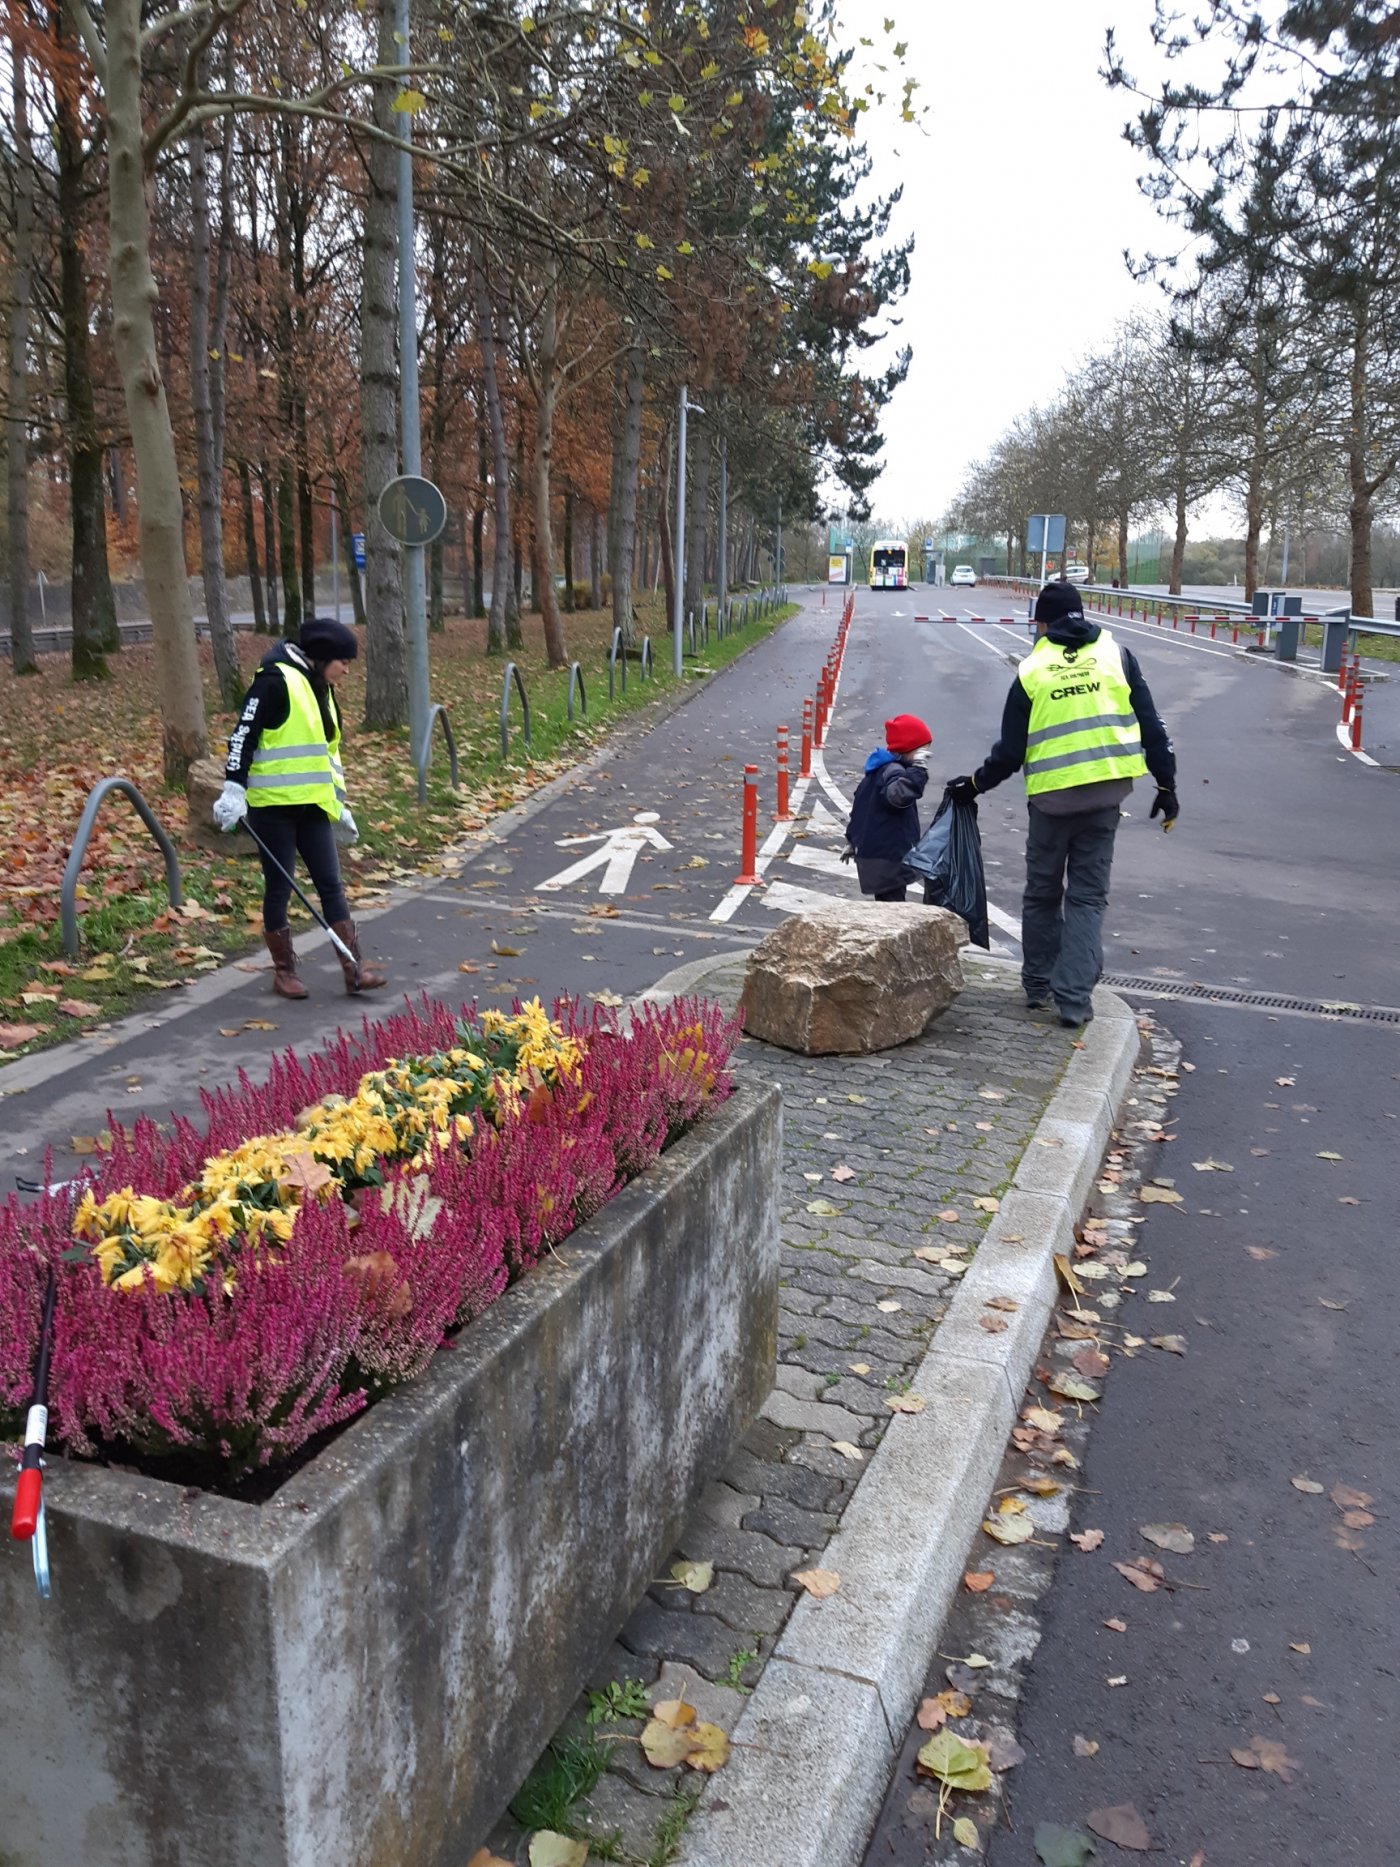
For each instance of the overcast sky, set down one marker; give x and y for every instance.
(1021, 147)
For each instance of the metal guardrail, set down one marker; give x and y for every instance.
(425, 752)
(576, 680)
(68, 892)
(513, 673)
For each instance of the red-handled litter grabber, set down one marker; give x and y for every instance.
(27, 1520)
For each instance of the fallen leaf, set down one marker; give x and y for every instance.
(467, 966)
(1285, 1082)
(858, 1367)
(1331, 1303)
(965, 1834)
(958, 1765)
(1043, 1419)
(1327, 1154)
(1160, 1296)
(1072, 1387)
(1264, 1753)
(78, 1008)
(1212, 1166)
(978, 1581)
(1003, 1753)
(1002, 1303)
(823, 1208)
(1345, 1497)
(1042, 1486)
(694, 1576)
(1065, 1272)
(905, 1403)
(1173, 1536)
(847, 1450)
(843, 1174)
(673, 1712)
(1085, 1746)
(1216, 1536)
(1011, 1507)
(664, 1746)
(818, 1582)
(1089, 1361)
(1310, 1485)
(1173, 1344)
(305, 1174)
(1300, 1646)
(934, 1713)
(1159, 1196)
(1122, 1825)
(235, 1032)
(1087, 1540)
(1062, 1847)
(12, 1034)
(992, 1095)
(1142, 1574)
(709, 1748)
(697, 862)
(258, 1024)
(1009, 1530)
(888, 1306)
(1118, 1679)
(1115, 1626)
(485, 1858)
(852, 1097)
(1260, 1252)
(949, 1216)
(994, 1325)
(548, 1849)
(987, 1205)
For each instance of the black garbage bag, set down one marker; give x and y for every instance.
(949, 858)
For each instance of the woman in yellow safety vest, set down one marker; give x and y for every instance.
(284, 772)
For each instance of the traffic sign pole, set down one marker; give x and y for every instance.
(415, 581)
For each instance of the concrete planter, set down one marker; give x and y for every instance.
(361, 1671)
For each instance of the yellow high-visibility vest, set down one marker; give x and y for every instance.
(294, 762)
(1083, 729)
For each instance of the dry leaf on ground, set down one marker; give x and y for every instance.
(965, 1834)
(818, 1582)
(673, 1712)
(1072, 1387)
(905, 1403)
(1264, 1753)
(843, 1174)
(1085, 1746)
(548, 1849)
(847, 1450)
(1121, 1825)
(934, 1713)
(1310, 1485)
(695, 1576)
(1159, 1196)
(1009, 1530)
(958, 1765)
(888, 1306)
(1087, 1540)
(1173, 1536)
(1142, 1574)
(978, 1581)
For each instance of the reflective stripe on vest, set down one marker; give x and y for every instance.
(293, 763)
(1083, 729)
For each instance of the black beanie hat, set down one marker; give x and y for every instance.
(1056, 602)
(325, 639)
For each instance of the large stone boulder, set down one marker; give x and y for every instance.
(854, 977)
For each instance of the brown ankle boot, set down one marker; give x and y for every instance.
(358, 977)
(285, 982)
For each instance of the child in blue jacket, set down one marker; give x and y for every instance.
(884, 821)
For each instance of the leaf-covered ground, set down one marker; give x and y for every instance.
(58, 739)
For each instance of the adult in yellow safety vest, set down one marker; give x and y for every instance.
(283, 772)
(1080, 721)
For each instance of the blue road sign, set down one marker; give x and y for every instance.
(1045, 531)
(357, 543)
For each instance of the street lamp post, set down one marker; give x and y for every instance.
(415, 577)
(678, 618)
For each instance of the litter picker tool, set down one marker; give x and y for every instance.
(27, 1518)
(320, 920)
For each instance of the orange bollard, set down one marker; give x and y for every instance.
(749, 876)
(1212, 628)
(1356, 721)
(1349, 693)
(806, 770)
(1235, 634)
(1261, 638)
(1342, 671)
(784, 815)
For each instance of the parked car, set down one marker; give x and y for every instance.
(1078, 573)
(964, 577)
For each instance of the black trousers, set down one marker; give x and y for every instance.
(290, 830)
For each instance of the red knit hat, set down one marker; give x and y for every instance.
(906, 732)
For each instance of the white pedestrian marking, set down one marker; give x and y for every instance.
(822, 823)
(1008, 923)
(826, 860)
(788, 898)
(618, 852)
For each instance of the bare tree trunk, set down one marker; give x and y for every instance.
(209, 467)
(386, 671)
(287, 543)
(569, 548)
(1361, 512)
(250, 548)
(22, 656)
(1179, 536)
(184, 736)
(1122, 546)
(93, 607)
(699, 516)
(546, 397)
(624, 521)
(269, 544)
(347, 545)
(595, 562)
(478, 599)
(517, 584)
(500, 464)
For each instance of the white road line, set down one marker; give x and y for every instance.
(825, 861)
(825, 779)
(1008, 923)
(1344, 741)
(772, 843)
(788, 898)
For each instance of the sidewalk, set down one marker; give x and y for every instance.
(881, 1302)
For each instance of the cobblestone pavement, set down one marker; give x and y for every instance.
(926, 1130)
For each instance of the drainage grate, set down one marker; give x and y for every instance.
(1255, 1001)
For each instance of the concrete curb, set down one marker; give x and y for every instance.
(818, 1738)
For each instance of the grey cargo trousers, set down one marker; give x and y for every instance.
(1068, 860)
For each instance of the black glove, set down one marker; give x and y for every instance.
(963, 790)
(1165, 806)
(847, 853)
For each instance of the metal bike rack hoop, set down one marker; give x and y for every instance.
(425, 753)
(576, 680)
(67, 898)
(644, 658)
(616, 654)
(513, 673)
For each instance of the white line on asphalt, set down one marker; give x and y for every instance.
(826, 861)
(1344, 740)
(1007, 922)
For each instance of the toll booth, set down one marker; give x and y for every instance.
(1287, 610)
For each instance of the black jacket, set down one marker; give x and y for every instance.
(266, 706)
(884, 821)
(1009, 753)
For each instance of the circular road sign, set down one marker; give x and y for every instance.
(412, 510)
